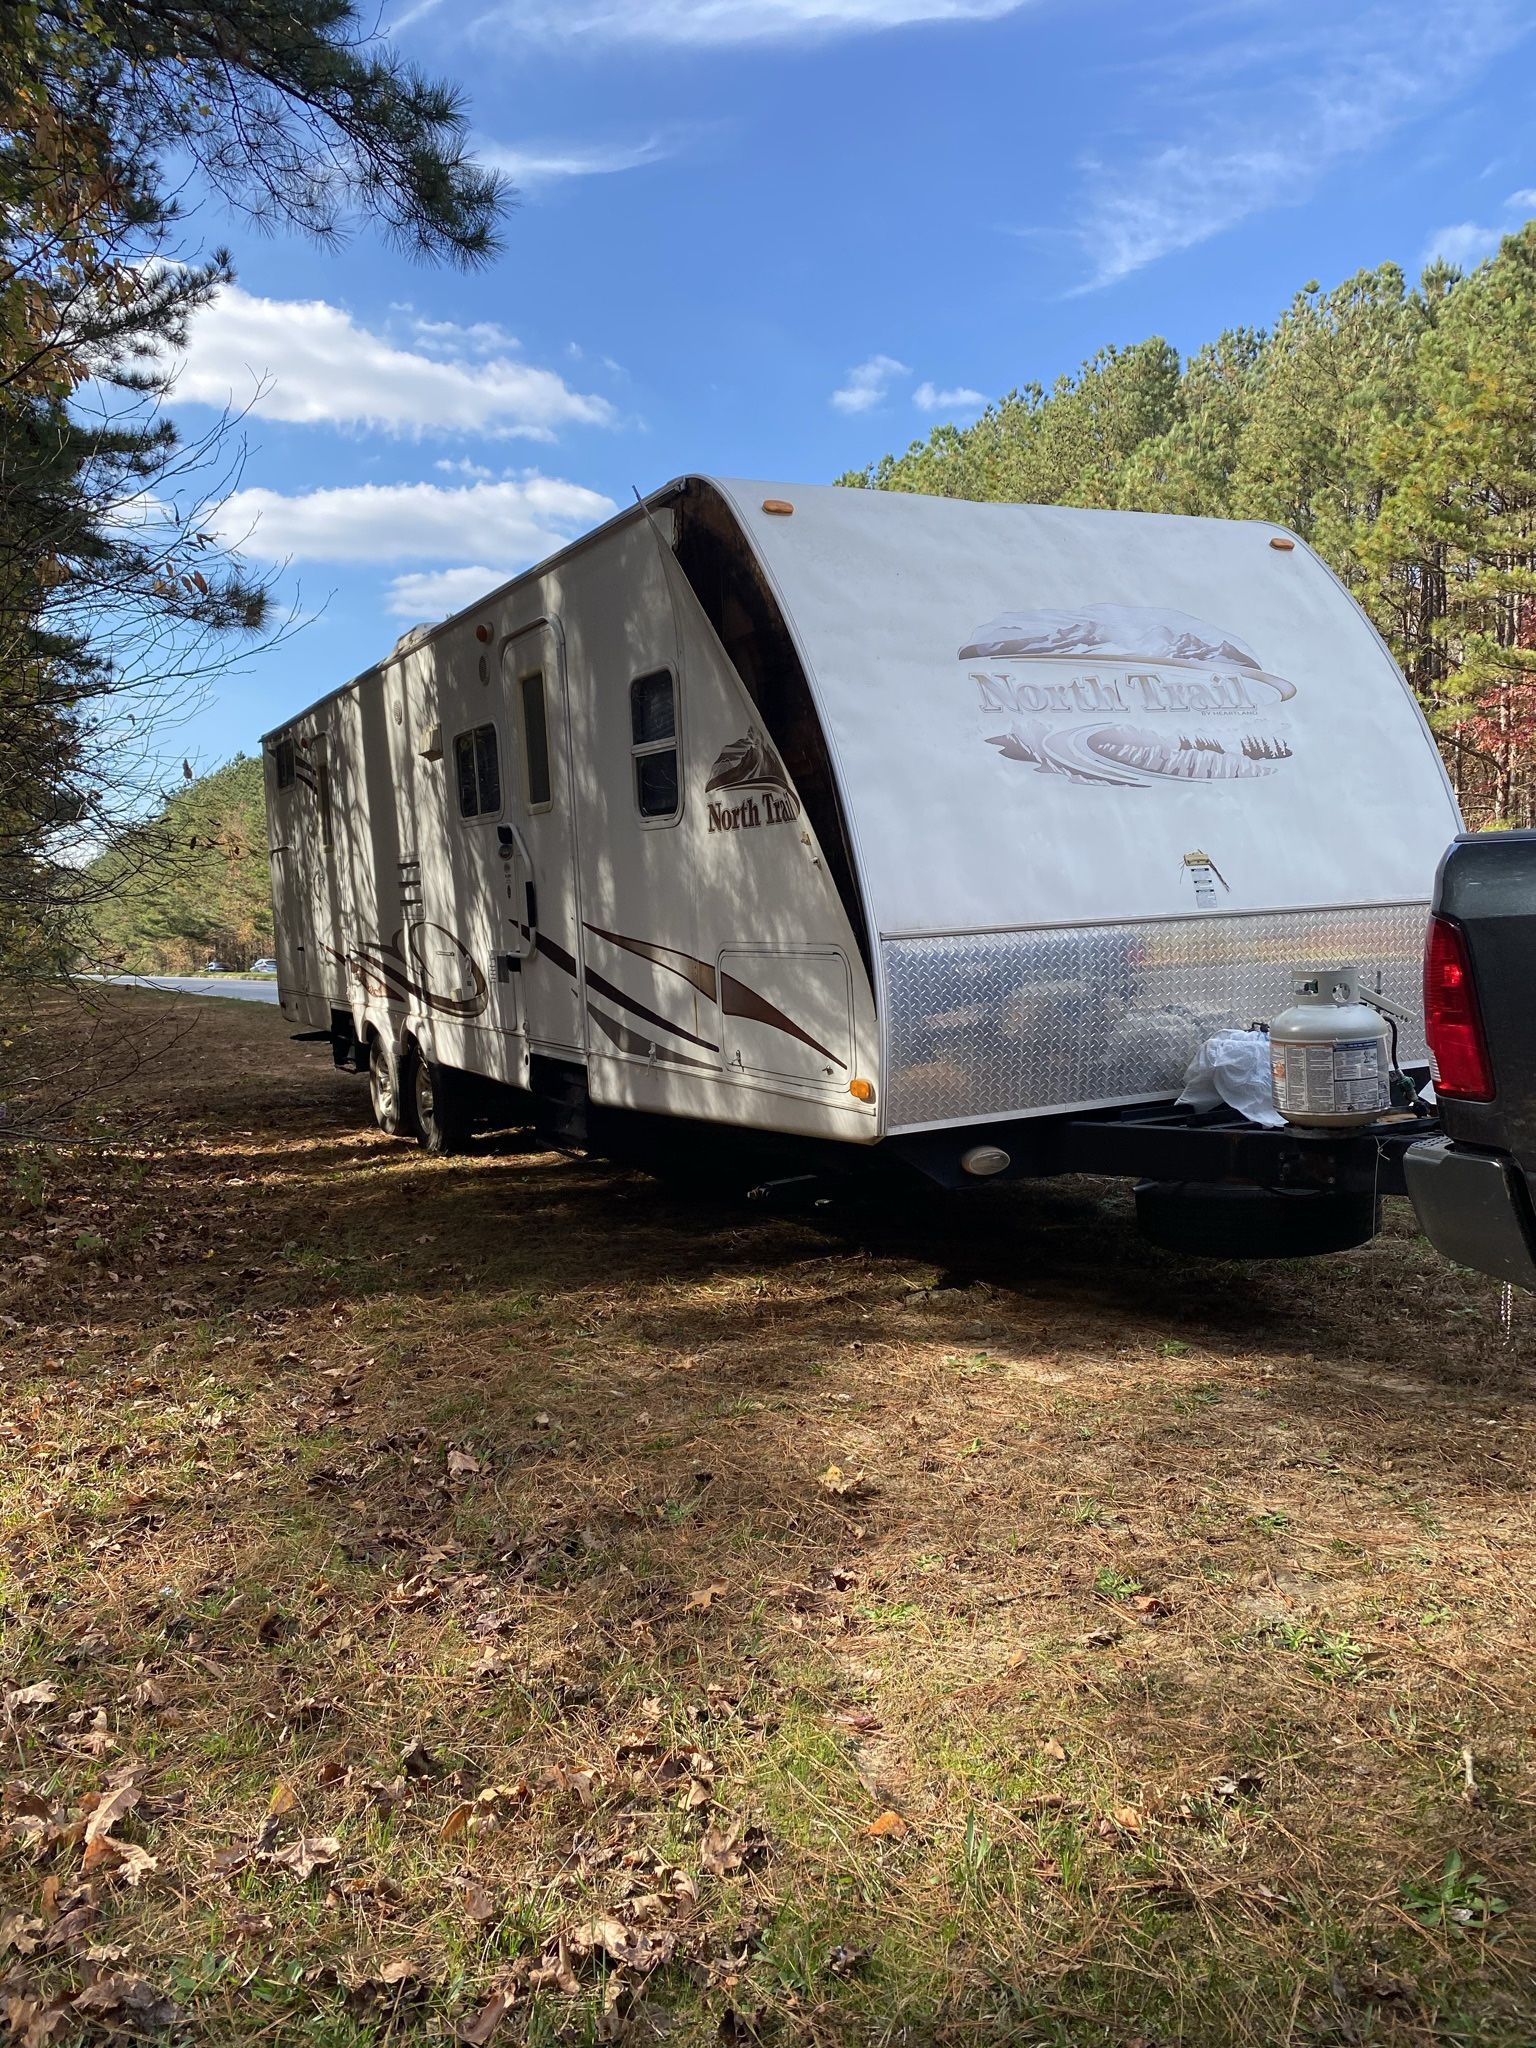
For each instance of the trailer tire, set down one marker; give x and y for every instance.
(440, 1105)
(1237, 1220)
(388, 1089)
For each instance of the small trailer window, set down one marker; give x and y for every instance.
(478, 766)
(283, 762)
(653, 742)
(535, 740)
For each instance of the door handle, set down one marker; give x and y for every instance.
(513, 843)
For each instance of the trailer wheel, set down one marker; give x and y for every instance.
(386, 1089)
(441, 1110)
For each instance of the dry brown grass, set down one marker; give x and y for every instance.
(479, 1517)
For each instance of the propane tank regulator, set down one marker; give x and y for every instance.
(1331, 1057)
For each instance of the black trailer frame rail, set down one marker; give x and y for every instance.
(1166, 1143)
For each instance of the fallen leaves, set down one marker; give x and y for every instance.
(457, 1822)
(116, 1802)
(284, 1800)
(724, 1850)
(889, 1826)
(302, 1858)
(702, 1598)
(126, 2002)
(629, 1946)
(476, 2031)
(844, 1485)
(30, 1699)
(1128, 1820)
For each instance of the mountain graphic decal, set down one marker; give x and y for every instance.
(748, 764)
(1108, 632)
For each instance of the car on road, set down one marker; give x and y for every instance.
(263, 967)
(215, 967)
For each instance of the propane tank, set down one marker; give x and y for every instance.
(1330, 1053)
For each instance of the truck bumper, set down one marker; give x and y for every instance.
(1474, 1207)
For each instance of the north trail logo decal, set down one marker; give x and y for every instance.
(1127, 695)
(752, 767)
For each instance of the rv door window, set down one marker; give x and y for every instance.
(477, 765)
(653, 743)
(284, 763)
(535, 740)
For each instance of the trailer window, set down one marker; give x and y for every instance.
(535, 740)
(653, 743)
(477, 763)
(284, 762)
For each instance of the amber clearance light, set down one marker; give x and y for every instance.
(862, 1090)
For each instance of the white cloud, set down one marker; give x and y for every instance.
(717, 22)
(511, 523)
(1272, 115)
(1467, 243)
(454, 338)
(868, 384)
(434, 593)
(960, 398)
(1464, 243)
(532, 164)
(460, 465)
(309, 361)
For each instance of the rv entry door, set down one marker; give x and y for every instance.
(540, 842)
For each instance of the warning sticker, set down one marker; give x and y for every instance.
(1344, 1077)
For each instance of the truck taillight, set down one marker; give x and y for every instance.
(1452, 1022)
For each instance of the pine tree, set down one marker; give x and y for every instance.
(1395, 429)
(114, 603)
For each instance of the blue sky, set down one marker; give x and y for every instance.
(776, 238)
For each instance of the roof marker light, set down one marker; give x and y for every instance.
(780, 505)
(1281, 541)
(482, 634)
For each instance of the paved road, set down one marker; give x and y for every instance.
(201, 985)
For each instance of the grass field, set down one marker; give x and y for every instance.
(500, 1599)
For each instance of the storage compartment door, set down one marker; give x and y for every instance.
(290, 919)
(787, 1014)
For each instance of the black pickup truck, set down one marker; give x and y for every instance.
(1472, 1186)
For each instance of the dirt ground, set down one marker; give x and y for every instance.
(505, 1599)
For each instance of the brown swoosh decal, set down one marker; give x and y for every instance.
(385, 960)
(644, 1048)
(734, 997)
(558, 957)
(737, 1000)
(698, 972)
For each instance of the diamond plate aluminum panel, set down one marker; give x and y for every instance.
(1012, 1023)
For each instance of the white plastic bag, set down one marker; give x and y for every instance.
(1233, 1068)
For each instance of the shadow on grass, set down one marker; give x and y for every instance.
(1159, 1601)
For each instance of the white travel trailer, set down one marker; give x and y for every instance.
(863, 818)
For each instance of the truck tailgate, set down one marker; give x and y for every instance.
(1473, 1188)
